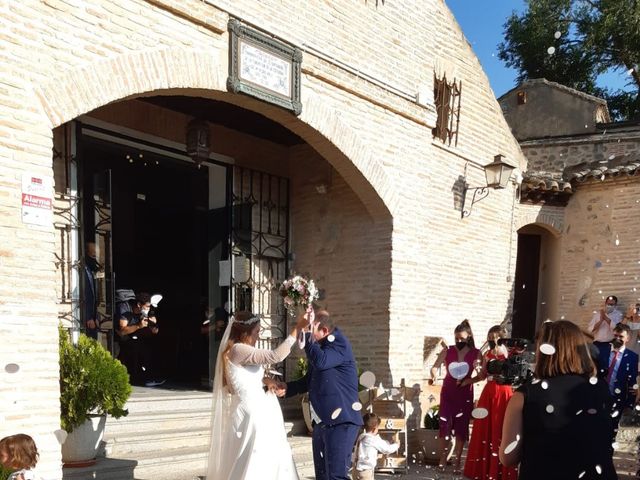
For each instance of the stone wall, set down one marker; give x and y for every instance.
(554, 155)
(600, 246)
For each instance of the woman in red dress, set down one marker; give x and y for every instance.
(482, 458)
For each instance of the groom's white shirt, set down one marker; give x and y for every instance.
(314, 415)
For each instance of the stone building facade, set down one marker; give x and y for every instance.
(374, 212)
(582, 182)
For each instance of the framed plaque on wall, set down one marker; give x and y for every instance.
(263, 67)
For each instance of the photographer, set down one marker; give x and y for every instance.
(482, 457)
(558, 427)
(135, 326)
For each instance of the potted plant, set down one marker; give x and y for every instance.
(424, 441)
(92, 385)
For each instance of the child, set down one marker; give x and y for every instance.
(19, 452)
(368, 446)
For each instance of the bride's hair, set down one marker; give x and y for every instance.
(243, 324)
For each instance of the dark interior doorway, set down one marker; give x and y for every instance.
(161, 236)
(525, 300)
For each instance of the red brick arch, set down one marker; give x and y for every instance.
(180, 71)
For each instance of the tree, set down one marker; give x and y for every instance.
(572, 42)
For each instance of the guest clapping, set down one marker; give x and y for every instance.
(482, 458)
(558, 427)
(456, 396)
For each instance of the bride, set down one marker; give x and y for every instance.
(248, 440)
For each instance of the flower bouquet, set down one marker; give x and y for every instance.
(298, 291)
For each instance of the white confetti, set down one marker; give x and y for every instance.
(459, 415)
(544, 385)
(480, 413)
(336, 413)
(592, 411)
(549, 409)
(557, 35)
(367, 379)
(239, 434)
(547, 349)
(511, 447)
(617, 390)
(578, 412)
(357, 406)
(599, 469)
(331, 338)
(551, 50)
(593, 380)
(615, 414)
(582, 474)
(458, 370)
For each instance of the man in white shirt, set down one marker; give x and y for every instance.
(368, 446)
(604, 321)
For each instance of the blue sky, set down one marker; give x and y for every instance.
(482, 23)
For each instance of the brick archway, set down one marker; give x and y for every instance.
(199, 73)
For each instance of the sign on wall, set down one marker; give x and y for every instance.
(37, 200)
(263, 67)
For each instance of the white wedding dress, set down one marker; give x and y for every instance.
(248, 437)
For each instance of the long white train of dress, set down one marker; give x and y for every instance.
(253, 443)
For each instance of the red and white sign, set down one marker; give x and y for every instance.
(37, 201)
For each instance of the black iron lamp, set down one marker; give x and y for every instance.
(198, 141)
(497, 174)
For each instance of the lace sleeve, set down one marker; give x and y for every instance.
(243, 354)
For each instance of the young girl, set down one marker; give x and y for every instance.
(482, 458)
(456, 396)
(19, 452)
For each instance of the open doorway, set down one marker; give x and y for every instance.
(164, 237)
(536, 281)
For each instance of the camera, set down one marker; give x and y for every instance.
(517, 368)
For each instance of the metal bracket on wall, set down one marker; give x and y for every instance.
(479, 193)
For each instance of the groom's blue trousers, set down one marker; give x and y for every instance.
(332, 448)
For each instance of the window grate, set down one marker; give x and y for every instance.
(447, 99)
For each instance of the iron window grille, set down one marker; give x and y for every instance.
(447, 99)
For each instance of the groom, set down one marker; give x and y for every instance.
(332, 383)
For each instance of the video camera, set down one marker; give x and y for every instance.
(517, 368)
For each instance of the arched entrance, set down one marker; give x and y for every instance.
(536, 281)
(322, 238)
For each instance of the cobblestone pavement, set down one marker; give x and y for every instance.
(626, 466)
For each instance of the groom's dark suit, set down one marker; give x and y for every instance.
(332, 383)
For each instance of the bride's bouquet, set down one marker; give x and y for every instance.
(298, 292)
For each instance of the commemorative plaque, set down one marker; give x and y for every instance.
(263, 67)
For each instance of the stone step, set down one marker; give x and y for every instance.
(156, 440)
(183, 463)
(150, 400)
(181, 419)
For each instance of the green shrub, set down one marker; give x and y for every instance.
(432, 418)
(91, 382)
(4, 473)
(301, 368)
